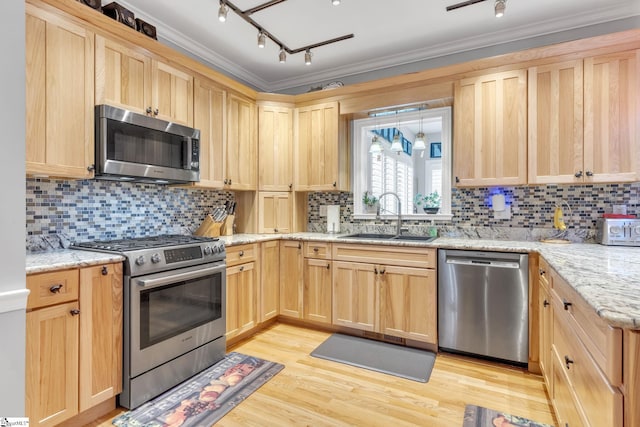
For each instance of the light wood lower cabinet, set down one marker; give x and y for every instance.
(269, 298)
(355, 296)
(242, 282)
(317, 290)
(291, 278)
(74, 342)
(545, 323)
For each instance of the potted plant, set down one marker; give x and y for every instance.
(370, 202)
(430, 203)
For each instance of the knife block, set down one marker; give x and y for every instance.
(227, 226)
(208, 228)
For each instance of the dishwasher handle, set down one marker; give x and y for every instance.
(494, 263)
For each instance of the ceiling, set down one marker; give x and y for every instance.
(386, 33)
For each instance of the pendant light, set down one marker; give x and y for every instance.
(375, 146)
(396, 145)
(419, 143)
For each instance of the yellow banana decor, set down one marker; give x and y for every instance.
(558, 219)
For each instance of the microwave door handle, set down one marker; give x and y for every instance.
(179, 277)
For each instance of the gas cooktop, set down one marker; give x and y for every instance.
(137, 243)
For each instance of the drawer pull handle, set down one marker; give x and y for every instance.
(545, 303)
(328, 266)
(55, 289)
(375, 270)
(299, 246)
(242, 268)
(74, 312)
(568, 362)
(382, 271)
(566, 304)
(241, 253)
(105, 271)
(589, 173)
(578, 174)
(275, 230)
(542, 272)
(315, 250)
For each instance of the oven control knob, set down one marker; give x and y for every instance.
(208, 250)
(155, 258)
(140, 260)
(220, 249)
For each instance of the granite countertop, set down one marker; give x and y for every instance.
(607, 277)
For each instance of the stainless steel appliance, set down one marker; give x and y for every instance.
(174, 310)
(135, 147)
(618, 231)
(483, 304)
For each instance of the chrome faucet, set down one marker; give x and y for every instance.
(399, 229)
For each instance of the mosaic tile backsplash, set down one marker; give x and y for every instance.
(532, 209)
(61, 212)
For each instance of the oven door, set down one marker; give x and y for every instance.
(174, 312)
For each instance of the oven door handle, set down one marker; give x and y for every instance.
(179, 277)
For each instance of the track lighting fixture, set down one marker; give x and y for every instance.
(282, 56)
(222, 12)
(261, 40)
(307, 57)
(499, 7)
(335, 2)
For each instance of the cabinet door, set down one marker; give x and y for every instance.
(241, 144)
(318, 145)
(555, 123)
(275, 148)
(274, 212)
(269, 280)
(291, 278)
(209, 116)
(52, 364)
(612, 107)
(546, 328)
(59, 96)
(241, 299)
(317, 290)
(408, 303)
(172, 93)
(100, 334)
(123, 76)
(490, 130)
(355, 296)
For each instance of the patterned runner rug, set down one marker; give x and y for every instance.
(205, 398)
(477, 416)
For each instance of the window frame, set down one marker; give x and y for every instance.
(360, 163)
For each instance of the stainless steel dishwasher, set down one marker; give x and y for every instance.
(483, 304)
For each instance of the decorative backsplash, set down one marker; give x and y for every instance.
(60, 212)
(532, 210)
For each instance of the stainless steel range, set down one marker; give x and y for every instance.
(174, 310)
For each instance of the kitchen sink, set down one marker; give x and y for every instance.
(374, 236)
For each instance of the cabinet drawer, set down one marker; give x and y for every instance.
(241, 254)
(603, 342)
(567, 411)
(599, 401)
(52, 288)
(544, 274)
(317, 250)
(386, 255)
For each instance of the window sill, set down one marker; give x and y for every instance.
(411, 217)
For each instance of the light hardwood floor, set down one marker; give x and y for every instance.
(316, 392)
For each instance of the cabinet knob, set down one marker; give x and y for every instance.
(241, 253)
(74, 312)
(328, 266)
(226, 181)
(242, 268)
(299, 246)
(545, 303)
(382, 271)
(578, 174)
(566, 304)
(91, 167)
(104, 270)
(335, 184)
(375, 270)
(457, 180)
(542, 272)
(148, 110)
(290, 186)
(315, 250)
(589, 173)
(568, 362)
(55, 288)
(275, 230)
(155, 112)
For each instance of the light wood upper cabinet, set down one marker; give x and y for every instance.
(490, 130)
(275, 212)
(269, 298)
(275, 148)
(130, 79)
(209, 117)
(101, 307)
(555, 122)
(611, 111)
(59, 96)
(123, 76)
(321, 148)
(291, 278)
(241, 157)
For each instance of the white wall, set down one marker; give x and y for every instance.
(12, 215)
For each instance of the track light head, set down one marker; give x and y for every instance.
(222, 12)
(307, 57)
(282, 56)
(499, 7)
(261, 40)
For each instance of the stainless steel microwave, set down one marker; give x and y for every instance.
(134, 147)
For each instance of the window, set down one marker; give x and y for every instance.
(408, 172)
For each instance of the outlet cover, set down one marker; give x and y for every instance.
(323, 210)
